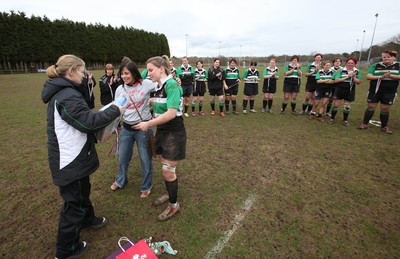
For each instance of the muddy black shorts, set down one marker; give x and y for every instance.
(291, 85)
(384, 98)
(187, 90)
(171, 145)
(250, 89)
(345, 94)
(216, 92)
(322, 92)
(199, 88)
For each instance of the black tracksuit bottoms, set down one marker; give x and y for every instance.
(76, 211)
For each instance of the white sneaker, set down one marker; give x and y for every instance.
(186, 115)
(253, 111)
(244, 112)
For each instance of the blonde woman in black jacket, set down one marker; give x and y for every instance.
(71, 125)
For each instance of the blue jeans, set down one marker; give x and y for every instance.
(128, 139)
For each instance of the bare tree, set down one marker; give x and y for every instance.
(395, 39)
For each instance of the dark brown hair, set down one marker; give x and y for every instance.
(132, 67)
(232, 60)
(391, 53)
(294, 57)
(355, 60)
(318, 54)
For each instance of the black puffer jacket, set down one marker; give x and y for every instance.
(71, 125)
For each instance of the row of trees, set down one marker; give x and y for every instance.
(29, 43)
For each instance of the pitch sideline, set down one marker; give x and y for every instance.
(248, 203)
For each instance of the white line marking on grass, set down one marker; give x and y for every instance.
(236, 224)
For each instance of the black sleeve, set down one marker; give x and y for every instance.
(114, 87)
(94, 81)
(223, 74)
(104, 88)
(75, 111)
(211, 74)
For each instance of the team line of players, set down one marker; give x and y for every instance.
(328, 85)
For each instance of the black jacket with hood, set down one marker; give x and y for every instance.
(71, 125)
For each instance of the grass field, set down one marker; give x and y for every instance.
(253, 186)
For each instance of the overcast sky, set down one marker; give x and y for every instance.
(236, 28)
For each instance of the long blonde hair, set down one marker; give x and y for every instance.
(159, 62)
(64, 63)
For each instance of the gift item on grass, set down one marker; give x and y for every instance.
(145, 248)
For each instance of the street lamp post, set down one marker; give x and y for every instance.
(372, 40)
(186, 35)
(362, 43)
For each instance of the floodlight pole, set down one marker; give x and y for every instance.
(356, 47)
(240, 53)
(362, 43)
(219, 48)
(372, 40)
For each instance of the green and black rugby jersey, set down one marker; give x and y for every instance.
(295, 74)
(200, 74)
(386, 85)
